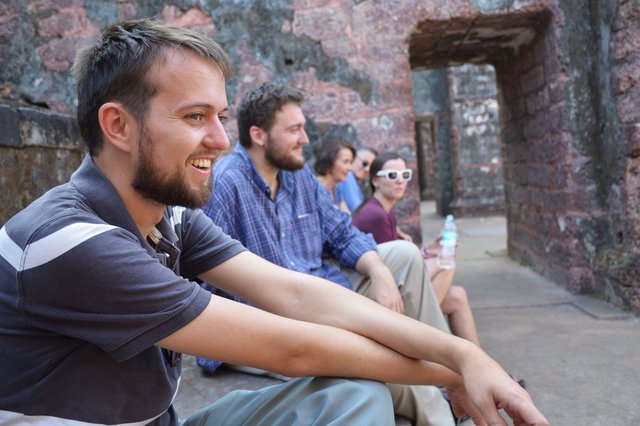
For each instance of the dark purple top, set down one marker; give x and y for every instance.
(374, 219)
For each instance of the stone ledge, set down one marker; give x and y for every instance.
(599, 309)
(45, 128)
(10, 125)
(24, 126)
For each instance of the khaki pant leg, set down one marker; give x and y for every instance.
(408, 268)
(423, 405)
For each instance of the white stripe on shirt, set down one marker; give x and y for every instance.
(50, 247)
(9, 250)
(10, 418)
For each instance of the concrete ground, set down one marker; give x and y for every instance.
(579, 356)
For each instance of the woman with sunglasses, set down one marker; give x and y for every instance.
(389, 177)
(333, 162)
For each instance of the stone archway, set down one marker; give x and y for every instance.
(557, 141)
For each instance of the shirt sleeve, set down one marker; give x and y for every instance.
(350, 191)
(204, 244)
(107, 290)
(341, 239)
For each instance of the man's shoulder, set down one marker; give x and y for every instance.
(50, 227)
(232, 170)
(58, 202)
(302, 175)
(228, 163)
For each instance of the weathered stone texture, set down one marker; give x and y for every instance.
(10, 125)
(568, 80)
(44, 149)
(478, 185)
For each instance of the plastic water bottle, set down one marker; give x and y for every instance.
(448, 243)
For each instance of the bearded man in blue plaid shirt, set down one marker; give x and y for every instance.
(267, 198)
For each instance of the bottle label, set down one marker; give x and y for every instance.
(448, 238)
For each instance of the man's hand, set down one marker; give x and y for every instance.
(387, 294)
(403, 235)
(461, 404)
(384, 289)
(488, 388)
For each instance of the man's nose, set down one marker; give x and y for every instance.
(304, 139)
(216, 136)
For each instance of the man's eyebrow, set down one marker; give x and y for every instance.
(300, 124)
(202, 105)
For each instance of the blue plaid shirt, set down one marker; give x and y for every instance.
(298, 231)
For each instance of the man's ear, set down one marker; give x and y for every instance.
(258, 136)
(119, 128)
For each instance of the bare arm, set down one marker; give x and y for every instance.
(311, 299)
(238, 333)
(357, 331)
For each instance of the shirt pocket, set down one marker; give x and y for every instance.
(306, 234)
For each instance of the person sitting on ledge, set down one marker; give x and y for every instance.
(389, 179)
(267, 198)
(333, 161)
(355, 188)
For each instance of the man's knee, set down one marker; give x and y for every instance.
(362, 399)
(366, 391)
(401, 252)
(401, 246)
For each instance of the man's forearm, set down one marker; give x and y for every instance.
(333, 305)
(298, 348)
(399, 346)
(308, 298)
(371, 265)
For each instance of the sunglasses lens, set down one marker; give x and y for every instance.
(392, 175)
(365, 163)
(406, 175)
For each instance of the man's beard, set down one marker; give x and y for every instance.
(171, 190)
(281, 159)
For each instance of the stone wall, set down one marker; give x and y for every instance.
(461, 168)
(479, 188)
(568, 85)
(38, 150)
(567, 172)
(617, 258)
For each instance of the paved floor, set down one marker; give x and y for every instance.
(579, 356)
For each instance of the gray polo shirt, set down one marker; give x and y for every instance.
(84, 298)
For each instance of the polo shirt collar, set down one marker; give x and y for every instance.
(102, 197)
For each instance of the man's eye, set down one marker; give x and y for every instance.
(196, 117)
(223, 119)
